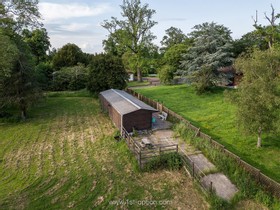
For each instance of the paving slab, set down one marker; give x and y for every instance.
(202, 163)
(221, 184)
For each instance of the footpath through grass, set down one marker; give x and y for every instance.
(65, 156)
(216, 117)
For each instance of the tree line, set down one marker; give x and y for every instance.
(29, 66)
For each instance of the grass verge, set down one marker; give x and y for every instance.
(216, 117)
(248, 188)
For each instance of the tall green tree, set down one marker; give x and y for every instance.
(136, 29)
(21, 87)
(9, 53)
(258, 96)
(271, 32)
(173, 36)
(18, 15)
(68, 55)
(211, 50)
(116, 43)
(18, 78)
(173, 55)
(249, 41)
(39, 43)
(106, 71)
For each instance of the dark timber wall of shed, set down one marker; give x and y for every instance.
(140, 120)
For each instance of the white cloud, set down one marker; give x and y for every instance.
(53, 11)
(75, 27)
(89, 44)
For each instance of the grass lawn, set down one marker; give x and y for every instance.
(136, 83)
(216, 117)
(65, 156)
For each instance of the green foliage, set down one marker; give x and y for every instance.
(258, 96)
(106, 72)
(20, 88)
(166, 74)
(248, 188)
(112, 46)
(173, 37)
(218, 203)
(65, 157)
(133, 33)
(70, 78)
(270, 33)
(170, 161)
(69, 55)
(18, 15)
(217, 118)
(44, 74)
(173, 55)
(210, 51)
(39, 43)
(247, 42)
(9, 52)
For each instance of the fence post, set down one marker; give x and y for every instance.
(140, 162)
(192, 169)
(177, 148)
(211, 187)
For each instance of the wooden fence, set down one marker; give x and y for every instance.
(144, 156)
(268, 183)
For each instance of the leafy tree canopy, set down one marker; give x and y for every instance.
(38, 41)
(68, 55)
(247, 42)
(106, 71)
(211, 50)
(173, 56)
(173, 36)
(18, 15)
(70, 78)
(18, 85)
(9, 52)
(258, 96)
(20, 88)
(133, 33)
(270, 33)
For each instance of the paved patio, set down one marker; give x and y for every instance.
(160, 124)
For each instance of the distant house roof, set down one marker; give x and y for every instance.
(123, 102)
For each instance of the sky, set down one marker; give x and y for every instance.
(79, 22)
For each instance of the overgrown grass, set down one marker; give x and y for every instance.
(216, 117)
(248, 188)
(170, 161)
(65, 156)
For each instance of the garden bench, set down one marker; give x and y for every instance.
(163, 115)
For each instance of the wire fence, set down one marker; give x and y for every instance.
(268, 183)
(144, 155)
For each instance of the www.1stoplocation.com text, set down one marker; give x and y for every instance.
(128, 202)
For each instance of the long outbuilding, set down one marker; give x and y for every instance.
(126, 111)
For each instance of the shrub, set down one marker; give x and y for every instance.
(166, 74)
(170, 161)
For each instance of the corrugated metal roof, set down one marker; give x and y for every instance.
(123, 102)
